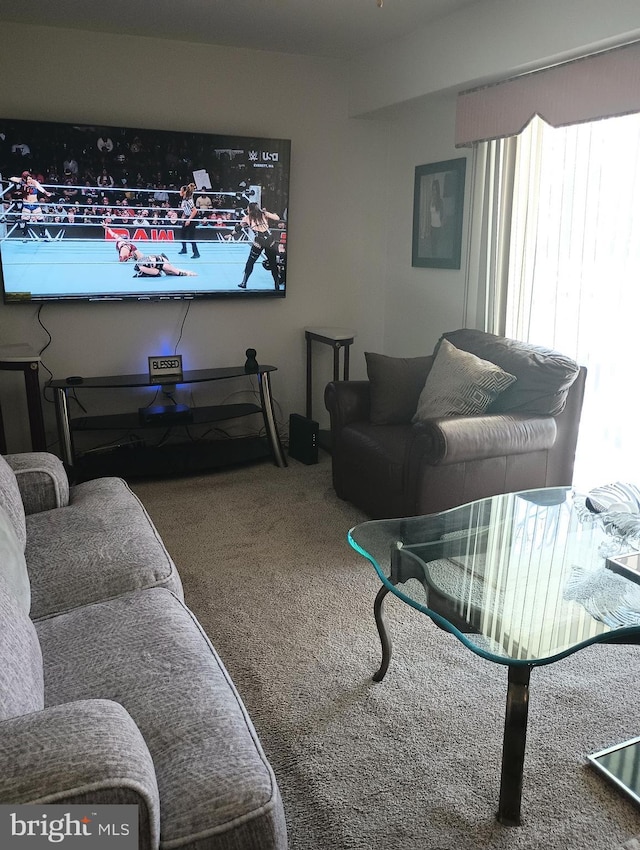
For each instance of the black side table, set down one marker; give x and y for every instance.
(337, 338)
(21, 358)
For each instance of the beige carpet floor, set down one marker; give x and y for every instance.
(412, 762)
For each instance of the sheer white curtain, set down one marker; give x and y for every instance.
(492, 175)
(574, 275)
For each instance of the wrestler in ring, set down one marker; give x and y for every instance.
(151, 265)
(30, 188)
(263, 240)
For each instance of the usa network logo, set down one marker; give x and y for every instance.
(263, 156)
(32, 827)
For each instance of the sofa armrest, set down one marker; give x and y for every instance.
(347, 401)
(42, 480)
(82, 752)
(458, 439)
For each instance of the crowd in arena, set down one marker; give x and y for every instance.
(123, 177)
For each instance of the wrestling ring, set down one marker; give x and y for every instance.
(64, 242)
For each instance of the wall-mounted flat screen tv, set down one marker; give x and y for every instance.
(97, 213)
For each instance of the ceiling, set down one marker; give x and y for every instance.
(335, 29)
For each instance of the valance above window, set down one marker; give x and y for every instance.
(601, 85)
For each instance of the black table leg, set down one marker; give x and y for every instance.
(34, 407)
(385, 640)
(513, 747)
(309, 379)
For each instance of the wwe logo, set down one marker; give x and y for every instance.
(253, 156)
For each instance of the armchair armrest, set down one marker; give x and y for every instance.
(347, 401)
(82, 752)
(42, 480)
(458, 439)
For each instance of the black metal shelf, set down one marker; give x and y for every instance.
(198, 416)
(142, 461)
(192, 376)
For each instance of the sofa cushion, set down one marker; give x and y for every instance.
(11, 500)
(13, 565)
(99, 546)
(460, 384)
(544, 375)
(146, 651)
(21, 680)
(396, 383)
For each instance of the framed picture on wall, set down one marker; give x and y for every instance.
(438, 201)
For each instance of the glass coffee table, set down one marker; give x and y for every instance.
(520, 579)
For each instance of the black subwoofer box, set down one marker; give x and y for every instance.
(303, 439)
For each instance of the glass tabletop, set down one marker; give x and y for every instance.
(520, 578)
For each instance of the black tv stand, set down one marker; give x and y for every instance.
(143, 460)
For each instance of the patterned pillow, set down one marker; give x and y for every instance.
(544, 375)
(619, 497)
(460, 384)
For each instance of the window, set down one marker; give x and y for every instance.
(574, 275)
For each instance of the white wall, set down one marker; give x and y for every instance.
(421, 303)
(486, 41)
(336, 260)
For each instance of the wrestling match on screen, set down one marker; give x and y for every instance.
(99, 213)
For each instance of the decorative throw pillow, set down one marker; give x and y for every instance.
(460, 384)
(396, 384)
(620, 497)
(544, 375)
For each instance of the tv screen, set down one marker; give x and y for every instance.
(97, 213)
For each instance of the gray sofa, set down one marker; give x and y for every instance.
(110, 692)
